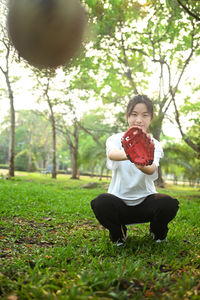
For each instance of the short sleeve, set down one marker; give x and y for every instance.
(113, 142)
(158, 154)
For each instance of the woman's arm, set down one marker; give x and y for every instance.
(116, 154)
(119, 155)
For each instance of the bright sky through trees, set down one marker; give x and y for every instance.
(142, 1)
(25, 98)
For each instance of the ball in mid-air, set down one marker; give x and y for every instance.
(46, 33)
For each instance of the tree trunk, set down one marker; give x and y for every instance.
(54, 148)
(12, 141)
(74, 166)
(12, 129)
(74, 152)
(160, 182)
(30, 155)
(53, 127)
(12, 110)
(156, 129)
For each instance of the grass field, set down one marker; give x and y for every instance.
(52, 247)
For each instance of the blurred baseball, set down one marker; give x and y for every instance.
(46, 33)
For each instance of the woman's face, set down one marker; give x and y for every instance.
(139, 117)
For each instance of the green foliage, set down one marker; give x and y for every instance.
(4, 145)
(28, 134)
(52, 247)
(4, 166)
(92, 155)
(181, 162)
(191, 111)
(22, 161)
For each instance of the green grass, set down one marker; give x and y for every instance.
(52, 247)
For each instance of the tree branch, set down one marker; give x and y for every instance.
(188, 11)
(128, 73)
(188, 141)
(90, 133)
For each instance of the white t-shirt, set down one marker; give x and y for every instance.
(128, 182)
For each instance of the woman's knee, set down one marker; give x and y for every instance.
(172, 204)
(100, 202)
(168, 205)
(106, 204)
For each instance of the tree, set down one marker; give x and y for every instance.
(191, 137)
(4, 145)
(67, 125)
(95, 129)
(7, 55)
(44, 79)
(181, 162)
(29, 135)
(25, 162)
(75, 90)
(71, 135)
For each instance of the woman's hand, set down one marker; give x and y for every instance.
(149, 170)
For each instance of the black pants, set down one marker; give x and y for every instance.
(112, 213)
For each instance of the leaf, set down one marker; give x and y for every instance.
(150, 294)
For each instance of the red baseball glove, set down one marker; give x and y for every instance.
(138, 146)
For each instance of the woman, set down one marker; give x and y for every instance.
(132, 197)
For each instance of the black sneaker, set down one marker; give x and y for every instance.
(120, 243)
(154, 237)
(122, 240)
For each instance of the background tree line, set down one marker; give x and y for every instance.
(33, 147)
(128, 44)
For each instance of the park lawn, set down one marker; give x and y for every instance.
(52, 247)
